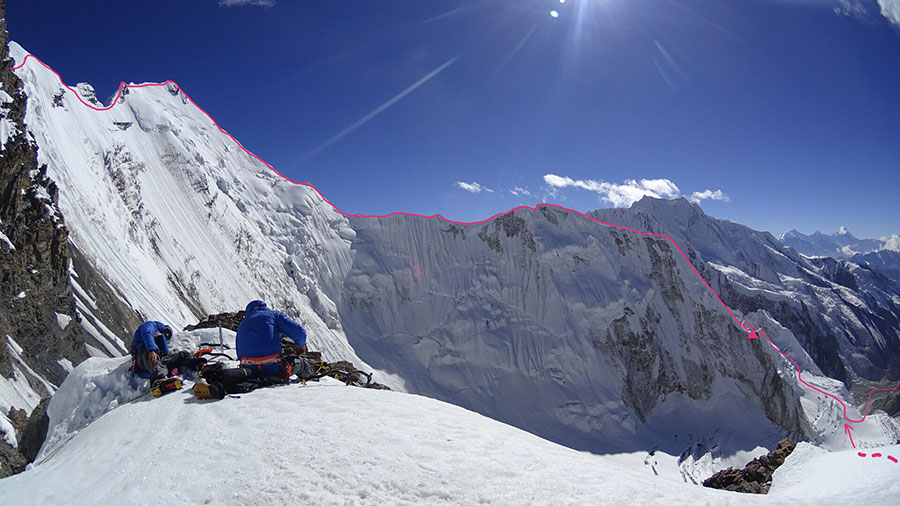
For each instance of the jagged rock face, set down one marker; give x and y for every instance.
(31, 430)
(890, 404)
(35, 273)
(34, 270)
(576, 331)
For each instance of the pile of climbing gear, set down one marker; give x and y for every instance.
(219, 380)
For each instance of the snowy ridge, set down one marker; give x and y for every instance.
(374, 447)
(102, 385)
(179, 219)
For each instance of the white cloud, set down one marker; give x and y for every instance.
(520, 191)
(558, 181)
(619, 195)
(891, 10)
(629, 192)
(473, 187)
(852, 9)
(708, 195)
(891, 243)
(238, 3)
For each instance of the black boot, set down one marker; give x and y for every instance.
(196, 364)
(212, 372)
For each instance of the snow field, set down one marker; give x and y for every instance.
(329, 444)
(838, 477)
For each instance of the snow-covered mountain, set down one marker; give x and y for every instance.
(606, 339)
(166, 217)
(884, 262)
(587, 334)
(845, 317)
(176, 216)
(840, 244)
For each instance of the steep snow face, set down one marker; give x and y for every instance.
(847, 318)
(588, 335)
(177, 216)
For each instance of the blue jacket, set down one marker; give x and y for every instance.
(144, 340)
(258, 335)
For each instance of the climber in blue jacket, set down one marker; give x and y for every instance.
(258, 338)
(150, 352)
(258, 343)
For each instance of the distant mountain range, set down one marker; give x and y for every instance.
(878, 255)
(841, 244)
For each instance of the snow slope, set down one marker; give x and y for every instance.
(177, 216)
(326, 443)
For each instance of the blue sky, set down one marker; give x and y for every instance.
(774, 113)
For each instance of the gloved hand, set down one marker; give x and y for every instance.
(300, 349)
(152, 357)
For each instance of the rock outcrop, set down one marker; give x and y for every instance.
(756, 477)
(228, 321)
(37, 307)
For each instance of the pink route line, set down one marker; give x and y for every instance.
(878, 455)
(746, 326)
